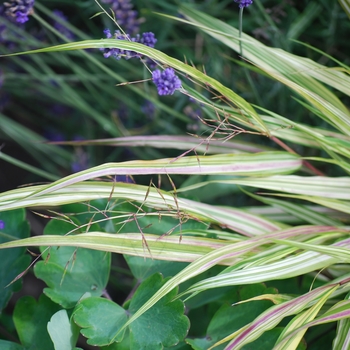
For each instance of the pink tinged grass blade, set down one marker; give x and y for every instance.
(340, 311)
(342, 338)
(271, 317)
(159, 248)
(233, 251)
(292, 266)
(234, 219)
(260, 164)
(184, 143)
(286, 342)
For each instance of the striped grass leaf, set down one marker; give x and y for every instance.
(292, 266)
(265, 163)
(274, 61)
(203, 264)
(306, 135)
(185, 143)
(235, 219)
(276, 213)
(342, 338)
(315, 186)
(345, 4)
(170, 248)
(277, 252)
(230, 252)
(339, 311)
(302, 212)
(273, 316)
(335, 204)
(342, 254)
(298, 73)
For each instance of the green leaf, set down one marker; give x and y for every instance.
(13, 262)
(70, 272)
(8, 345)
(142, 268)
(345, 4)
(231, 318)
(163, 325)
(101, 320)
(31, 318)
(63, 333)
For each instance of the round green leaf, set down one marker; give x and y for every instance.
(101, 320)
(30, 318)
(8, 345)
(164, 324)
(70, 272)
(63, 333)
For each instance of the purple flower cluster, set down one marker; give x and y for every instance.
(166, 81)
(147, 39)
(61, 27)
(125, 16)
(244, 3)
(19, 10)
(2, 225)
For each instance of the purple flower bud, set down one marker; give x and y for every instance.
(148, 39)
(2, 225)
(244, 3)
(19, 9)
(167, 81)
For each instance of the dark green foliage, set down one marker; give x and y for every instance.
(13, 262)
(71, 273)
(73, 293)
(31, 318)
(163, 325)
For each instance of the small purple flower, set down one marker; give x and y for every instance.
(125, 16)
(147, 39)
(61, 27)
(2, 225)
(244, 3)
(19, 9)
(118, 53)
(167, 81)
